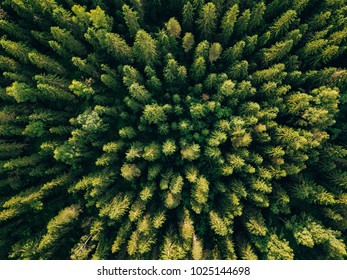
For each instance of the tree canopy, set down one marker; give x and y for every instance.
(186, 130)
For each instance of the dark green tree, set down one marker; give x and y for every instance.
(173, 129)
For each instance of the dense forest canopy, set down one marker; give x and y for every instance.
(151, 129)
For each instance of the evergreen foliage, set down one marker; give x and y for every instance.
(179, 130)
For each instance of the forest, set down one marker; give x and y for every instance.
(174, 130)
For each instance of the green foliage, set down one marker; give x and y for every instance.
(174, 27)
(188, 16)
(145, 50)
(215, 52)
(278, 51)
(169, 147)
(188, 41)
(282, 24)
(130, 171)
(207, 21)
(198, 69)
(21, 92)
(117, 47)
(217, 224)
(131, 19)
(228, 22)
(58, 227)
(190, 152)
(81, 89)
(16, 49)
(178, 130)
(68, 41)
(46, 63)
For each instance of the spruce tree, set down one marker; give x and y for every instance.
(186, 130)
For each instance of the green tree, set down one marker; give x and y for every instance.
(215, 52)
(59, 226)
(228, 22)
(68, 41)
(281, 25)
(174, 27)
(47, 63)
(16, 49)
(145, 50)
(188, 41)
(21, 92)
(117, 47)
(154, 114)
(257, 18)
(131, 20)
(242, 22)
(277, 52)
(198, 69)
(179, 130)
(207, 21)
(188, 16)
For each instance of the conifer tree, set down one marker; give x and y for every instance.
(131, 19)
(145, 50)
(58, 227)
(207, 21)
(179, 130)
(117, 47)
(228, 22)
(198, 69)
(188, 41)
(188, 16)
(215, 52)
(173, 27)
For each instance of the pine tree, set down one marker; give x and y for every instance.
(13, 29)
(188, 16)
(228, 22)
(188, 41)
(16, 49)
(68, 41)
(130, 171)
(46, 63)
(145, 50)
(207, 21)
(151, 152)
(117, 47)
(154, 114)
(198, 69)
(281, 25)
(169, 147)
(217, 224)
(117, 208)
(131, 20)
(174, 27)
(257, 18)
(190, 152)
(58, 227)
(278, 51)
(191, 130)
(215, 52)
(21, 92)
(234, 53)
(242, 22)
